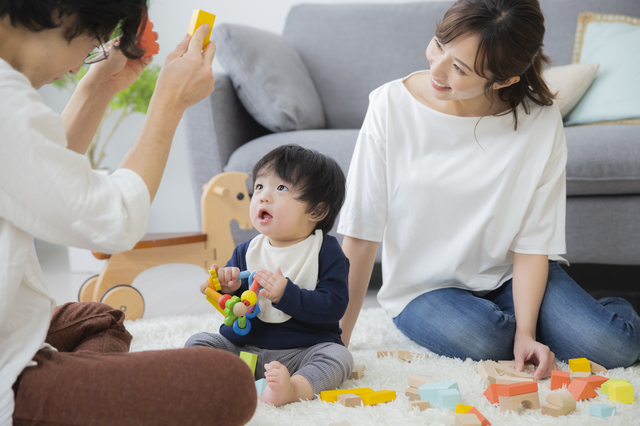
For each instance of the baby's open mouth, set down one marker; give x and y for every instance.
(264, 216)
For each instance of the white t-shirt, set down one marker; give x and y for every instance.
(298, 262)
(49, 192)
(451, 210)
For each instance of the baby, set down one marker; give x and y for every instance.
(297, 195)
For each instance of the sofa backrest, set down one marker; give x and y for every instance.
(350, 49)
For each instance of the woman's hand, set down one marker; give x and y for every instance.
(186, 77)
(525, 348)
(117, 72)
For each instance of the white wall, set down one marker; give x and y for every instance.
(173, 209)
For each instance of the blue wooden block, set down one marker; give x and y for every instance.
(448, 398)
(429, 391)
(261, 385)
(602, 410)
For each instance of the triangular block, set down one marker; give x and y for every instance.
(581, 390)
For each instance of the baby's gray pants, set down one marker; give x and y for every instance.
(325, 365)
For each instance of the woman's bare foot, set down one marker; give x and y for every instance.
(281, 388)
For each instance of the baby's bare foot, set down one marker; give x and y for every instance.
(280, 389)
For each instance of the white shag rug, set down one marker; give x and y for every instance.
(375, 330)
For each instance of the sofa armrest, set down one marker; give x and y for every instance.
(215, 128)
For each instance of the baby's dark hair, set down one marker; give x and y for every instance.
(96, 18)
(317, 179)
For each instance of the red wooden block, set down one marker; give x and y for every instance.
(148, 40)
(594, 381)
(581, 390)
(492, 393)
(482, 418)
(559, 379)
(518, 389)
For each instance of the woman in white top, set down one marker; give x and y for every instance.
(460, 172)
(70, 365)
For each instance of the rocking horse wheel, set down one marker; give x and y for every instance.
(126, 298)
(86, 289)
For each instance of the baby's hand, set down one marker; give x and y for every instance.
(273, 284)
(228, 278)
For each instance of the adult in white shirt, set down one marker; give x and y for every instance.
(70, 365)
(460, 172)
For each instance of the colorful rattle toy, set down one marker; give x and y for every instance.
(236, 310)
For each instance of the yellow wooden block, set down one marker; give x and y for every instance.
(621, 392)
(462, 409)
(332, 395)
(373, 398)
(199, 18)
(579, 364)
(605, 386)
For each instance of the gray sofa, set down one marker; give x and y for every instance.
(350, 49)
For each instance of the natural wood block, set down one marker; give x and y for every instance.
(508, 380)
(488, 371)
(597, 368)
(413, 394)
(562, 399)
(416, 381)
(358, 372)
(528, 400)
(422, 405)
(467, 420)
(349, 400)
(580, 374)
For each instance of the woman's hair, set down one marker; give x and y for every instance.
(97, 18)
(317, 179)
(510, 35)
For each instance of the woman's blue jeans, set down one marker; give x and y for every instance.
(458, 324)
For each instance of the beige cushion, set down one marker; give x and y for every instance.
(571, 82)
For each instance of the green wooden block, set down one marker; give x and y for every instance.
(250, 359)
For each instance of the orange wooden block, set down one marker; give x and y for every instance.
(483, 419)
(518, 389)
(148, 40)
(581, 390)
(595, 381)
(559, 379)
(491, 393)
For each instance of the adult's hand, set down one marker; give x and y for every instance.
(118, 72)
(525, 348)
(186, 78)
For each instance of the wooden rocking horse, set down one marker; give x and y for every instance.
(224, 198)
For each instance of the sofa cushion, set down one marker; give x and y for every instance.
(350, 49)
(337, 144)
(570, 83)
(270, 79)
(606, 39)
(603, 159)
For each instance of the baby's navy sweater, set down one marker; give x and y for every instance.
(315, 314)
